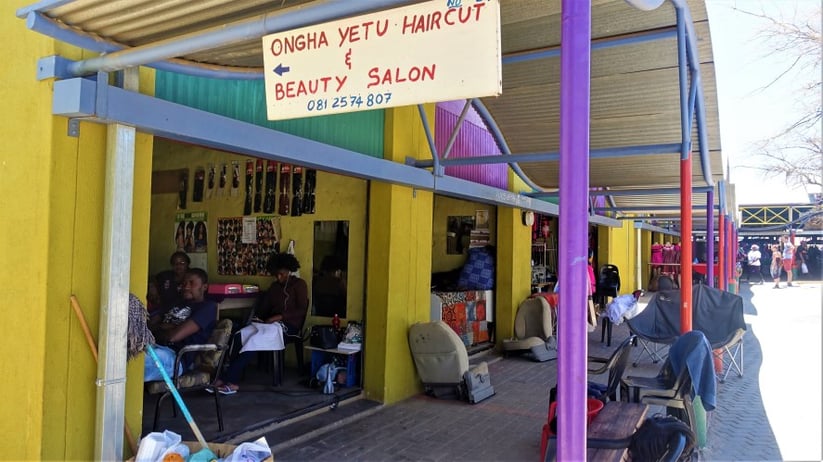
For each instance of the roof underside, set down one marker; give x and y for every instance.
(634, 88)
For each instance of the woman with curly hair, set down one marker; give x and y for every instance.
(285, 305)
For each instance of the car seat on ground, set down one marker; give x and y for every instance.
(442, 363)
(533, 331)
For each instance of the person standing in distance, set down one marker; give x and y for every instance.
(753, 258)
(788, 258)
(776, 265)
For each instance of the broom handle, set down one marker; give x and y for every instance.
(93, 346)
(177, 397)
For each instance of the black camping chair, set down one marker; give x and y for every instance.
(716, 313)
(615, 365)
(682, 377)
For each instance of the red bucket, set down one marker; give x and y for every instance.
(593, 407)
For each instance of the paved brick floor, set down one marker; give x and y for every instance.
(773, 412)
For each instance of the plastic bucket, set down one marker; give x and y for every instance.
(593, 407)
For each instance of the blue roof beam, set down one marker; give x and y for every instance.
(650, 208)
(83, 97)
(627, 192)
(605, 153)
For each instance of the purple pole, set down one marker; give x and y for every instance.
(575, 82)
(710, 238)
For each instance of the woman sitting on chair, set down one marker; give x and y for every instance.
(283, 310)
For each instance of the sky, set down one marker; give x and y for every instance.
(748, 112)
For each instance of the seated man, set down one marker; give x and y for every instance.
(188, 323)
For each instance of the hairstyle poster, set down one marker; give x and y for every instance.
(244, 247)
(191, 236)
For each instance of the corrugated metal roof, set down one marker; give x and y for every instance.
(634, 88)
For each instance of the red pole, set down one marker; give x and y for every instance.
(686, 244)
(721, 251)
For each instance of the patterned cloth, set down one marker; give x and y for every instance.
(478, 272)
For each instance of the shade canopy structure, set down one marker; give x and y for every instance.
(651, 107)
(635, 132)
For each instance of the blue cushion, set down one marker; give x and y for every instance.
(478, 272)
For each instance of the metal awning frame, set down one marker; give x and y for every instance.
(161, 56)
(96, 101)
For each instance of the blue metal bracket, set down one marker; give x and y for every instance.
(52, 67)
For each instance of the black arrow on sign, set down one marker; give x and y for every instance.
(281, 69)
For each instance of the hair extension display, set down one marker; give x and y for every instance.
(285, 180)
(258, 186)
(297, 191)
(308, 190)
(271, 184)
(249, 192)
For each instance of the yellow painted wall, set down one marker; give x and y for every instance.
(645, 257)
(51, 201)
(337, 198)
(513, 269)
(617, 246)
(445, 207)
(399, 262)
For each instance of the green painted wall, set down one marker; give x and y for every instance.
(245, 100)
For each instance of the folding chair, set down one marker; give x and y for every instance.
(731, 355)
(657, 326)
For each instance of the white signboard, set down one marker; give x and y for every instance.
(434, 51)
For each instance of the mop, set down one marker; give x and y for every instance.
(204, 454)
(139, 338)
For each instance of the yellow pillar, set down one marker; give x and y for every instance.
(617, 246)
(513, 267)
(51, 200)
(399, 264)
(513, 271)
(645, 258)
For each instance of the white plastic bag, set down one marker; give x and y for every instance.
(155, 445)
(250, 452)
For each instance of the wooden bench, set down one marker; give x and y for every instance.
(617, 420)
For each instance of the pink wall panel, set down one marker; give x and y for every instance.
(473, 140)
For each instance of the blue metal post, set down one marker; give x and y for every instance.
(710, 237)
(575, 100)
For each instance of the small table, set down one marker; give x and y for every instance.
(320, 356)
(225, 302)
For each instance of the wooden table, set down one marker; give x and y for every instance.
(616, 420)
